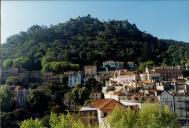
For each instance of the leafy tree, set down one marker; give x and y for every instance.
(55, 121)
(83, 94)
(13, 80)
(143, 65)
(63, 79)
(22, 62)
(37, 101)
(93, 85)
(46, 68)
(6, 122)
(86, 40)
(20, 114)
(126, 119)
(80, 94)
(30, 123)
(75, 95)
(7, 63)
(5, 98)
(149, 116)
(59, 67)
(64, 121)
(11, 119)
(64, 82)
(47, 59)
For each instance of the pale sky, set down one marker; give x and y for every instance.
(167, 19)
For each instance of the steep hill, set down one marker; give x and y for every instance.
(86, 40)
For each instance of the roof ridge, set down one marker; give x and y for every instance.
(109, 100)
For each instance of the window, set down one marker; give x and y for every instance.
(166, 97)
(105, 114)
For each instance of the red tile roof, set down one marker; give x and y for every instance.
(106, 105)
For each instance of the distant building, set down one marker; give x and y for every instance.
(89, 116)
(141, 97)
(160, 86)
(113, 64)
(118, 96)
(148, 84)
(90, 70)
(125, 77)
(20, 95)
(96, 95)
(150, 75)
(168, 73)
(177, 103)
(131, 65)
(132, 103)
(74, 78)
(98, 110)
(51, 78)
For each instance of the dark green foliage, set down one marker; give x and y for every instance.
(37, 101)
(20, 114)
(143, 65)
(86, 40)
(56, 109)
(6, 123)
(59, 67)
(7, 63)
(8, 119)
(24, 62)
(13, 80)
(6, 97)
(80, 94)
(148, 117)
(93, 85)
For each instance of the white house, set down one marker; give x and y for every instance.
(132, 103)
(118, 96)
(125, 78)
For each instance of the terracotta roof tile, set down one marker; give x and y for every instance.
(106, 105)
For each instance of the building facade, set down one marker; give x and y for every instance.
(74, 78)
(131, 65)
(89, 116)
(169, 73)
(150, 76)
(90, 70)
(178, 104)
(98, 111)
(96, 95)
(113, 64)
(124, 78)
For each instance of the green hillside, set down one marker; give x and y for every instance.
(87, 40)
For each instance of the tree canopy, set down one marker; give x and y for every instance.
(37, 101)
(55, 121)
(86, 40)
(149, 116)
(5, 98)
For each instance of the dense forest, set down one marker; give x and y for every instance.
(86, 40)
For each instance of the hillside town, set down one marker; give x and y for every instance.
(94, 64)
(121, 85)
